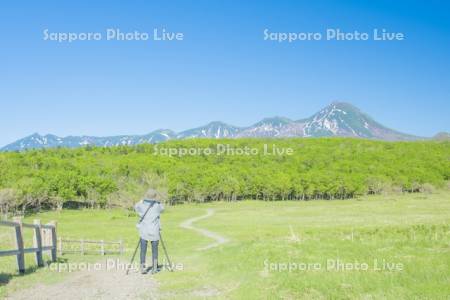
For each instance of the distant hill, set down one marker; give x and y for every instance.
(442, 136)
(337, 119)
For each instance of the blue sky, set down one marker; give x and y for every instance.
(223, 69)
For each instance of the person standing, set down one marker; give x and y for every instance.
(149, 210)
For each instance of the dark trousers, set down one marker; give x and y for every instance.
(154, 252)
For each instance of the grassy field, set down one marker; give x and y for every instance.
(408, 236)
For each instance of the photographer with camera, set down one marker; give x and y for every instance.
(149, 210)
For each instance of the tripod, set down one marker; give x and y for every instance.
(165, 253)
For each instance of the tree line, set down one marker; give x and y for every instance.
(322, 168)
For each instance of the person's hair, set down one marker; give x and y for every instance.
(152, 194)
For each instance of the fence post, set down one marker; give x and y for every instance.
(19, 243)
(44, 237)
(38, 242)
(54, 239)
(82, 246)
(102, 247)
(121, 247)
(60, 248)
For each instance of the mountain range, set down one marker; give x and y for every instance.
(337, 119)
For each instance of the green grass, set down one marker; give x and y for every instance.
(412, 230)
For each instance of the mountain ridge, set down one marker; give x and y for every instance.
(336, 119)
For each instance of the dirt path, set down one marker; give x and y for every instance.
(217, 237)
(107, 283)
(110, 282)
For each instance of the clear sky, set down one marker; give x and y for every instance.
(223, 69)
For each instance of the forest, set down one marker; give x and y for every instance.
(312, 168)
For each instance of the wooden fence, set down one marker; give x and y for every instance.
(44, 240)
(84, 249)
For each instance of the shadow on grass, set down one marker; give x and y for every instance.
(5, 278)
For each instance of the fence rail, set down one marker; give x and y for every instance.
(43, 235)
(84, 250)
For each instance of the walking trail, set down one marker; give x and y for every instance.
(105, 284)
(218, 239)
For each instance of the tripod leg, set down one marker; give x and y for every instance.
(132, 258)
(165, 252)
